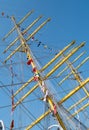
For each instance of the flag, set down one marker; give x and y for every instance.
(2, 13)
(12, 125)
(32, 39)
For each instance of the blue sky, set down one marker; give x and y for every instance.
(69, 21)
(69, 18)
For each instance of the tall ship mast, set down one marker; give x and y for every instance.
(46, 92)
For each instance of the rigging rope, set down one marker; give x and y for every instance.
(12, 98)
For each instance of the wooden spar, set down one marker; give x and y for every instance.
(12, 53)
(65, 59)
(38, 120)
(45, 114)
(77, 103)
(79, 110)
(28, 28)
(54, 69)
(50, 100)
(79, 80)
(86, 59)
(29, 37)
(59, 74)
(23, 86)
(42, 69)
(76, 75)
(30, 80)
(59, 54)
(20, 22)
(73, 91)
(23, 42)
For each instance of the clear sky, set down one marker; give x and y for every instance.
(69, 21)
(69, 18)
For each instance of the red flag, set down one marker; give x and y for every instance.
(12, 125)
(55, 109)
(12, 101)
(29, 61)
(34, 69)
